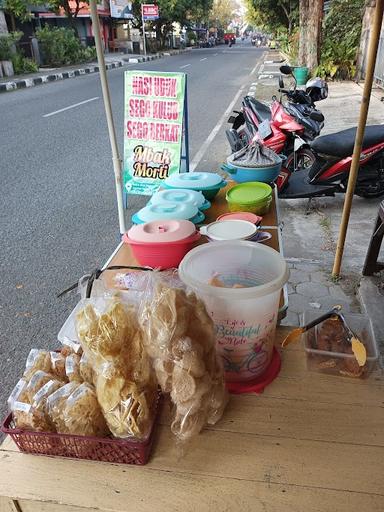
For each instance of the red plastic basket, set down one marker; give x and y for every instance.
(105, 449)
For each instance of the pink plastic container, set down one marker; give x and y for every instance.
(161, 244)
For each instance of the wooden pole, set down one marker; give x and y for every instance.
(108, 113)
(372, 51)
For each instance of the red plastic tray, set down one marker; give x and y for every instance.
(105, 449)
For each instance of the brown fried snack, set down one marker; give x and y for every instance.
(72, 368)
(179, 336)
(58, 365)
(82, 413)
(37, 360)
(38, 380)
(125, 385)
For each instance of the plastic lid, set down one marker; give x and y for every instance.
(167, 211)
(194, 180)
(229, 230)
(250, 217)
(177, 195)
(160, 231)
(252, 192)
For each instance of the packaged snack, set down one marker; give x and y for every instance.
(38, 380)
(72, 368)
(18, 394)
(56, 403)
(37, 360)
(125, 385)
(58, 365)
(39, 400)
(82, 413)
(86, 369)
(179, 336)
(26, 417)
(70, 347)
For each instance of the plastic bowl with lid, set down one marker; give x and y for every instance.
(180, 195)
(229, 230)
(163, 243)
(246, 174)
(250, 217)
(168, 211)
(254, 197)
(208, 183)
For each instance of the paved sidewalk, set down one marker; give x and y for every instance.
(44, 75)
(310, 231)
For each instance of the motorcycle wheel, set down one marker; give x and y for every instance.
(305, 160)
(370, 182)
(370, 190)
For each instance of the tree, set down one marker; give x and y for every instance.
(184, 12)
(221, 13)
(71, 9)
(310, 14)
(18, 9)
(272, 15)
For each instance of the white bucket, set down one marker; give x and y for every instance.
(245, 318)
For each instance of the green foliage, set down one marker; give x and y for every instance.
(60, 46)
(221, 13)
(185, 12)
(289, 44)
(19, 8)
(23, 65)
(272, 15)
(6, 43)
(341, 38)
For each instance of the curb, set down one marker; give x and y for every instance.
(54, 77)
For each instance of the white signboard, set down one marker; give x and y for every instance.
(121, 9)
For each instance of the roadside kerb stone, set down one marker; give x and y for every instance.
(53, 77)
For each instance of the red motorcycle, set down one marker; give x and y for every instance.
(330, 171)
(286, 128)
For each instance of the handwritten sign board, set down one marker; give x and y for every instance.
(153, 129)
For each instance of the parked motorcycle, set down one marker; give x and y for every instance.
(285, 128)
(330, 170)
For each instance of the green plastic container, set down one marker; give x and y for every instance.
(301, 74)
(255, 197)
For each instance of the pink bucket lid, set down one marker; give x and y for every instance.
(250, 217)
(160, 231)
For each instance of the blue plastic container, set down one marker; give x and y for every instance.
(245, 174)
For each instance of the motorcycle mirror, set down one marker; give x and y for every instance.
(317, 116)
(281, 82)
(286, 70)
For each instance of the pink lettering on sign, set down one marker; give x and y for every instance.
(159, 86)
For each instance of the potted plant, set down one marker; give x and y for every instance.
(7, 42)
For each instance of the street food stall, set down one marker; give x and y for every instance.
(181, 391)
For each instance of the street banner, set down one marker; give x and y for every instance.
(153, 129)
(149, 11)
(121, 9)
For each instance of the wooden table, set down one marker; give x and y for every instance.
(309, 443)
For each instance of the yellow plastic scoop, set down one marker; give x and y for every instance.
(295, 334)
(358, 349)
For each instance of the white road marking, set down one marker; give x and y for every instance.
(199, 155)
(265, 76)
(215, 54)
(268, 62)
(205, 58)
(70, 106)
(185, 66)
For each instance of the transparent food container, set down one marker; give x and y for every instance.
(334, 362)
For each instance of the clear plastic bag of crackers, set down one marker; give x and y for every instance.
(179, 336)
(126, 386)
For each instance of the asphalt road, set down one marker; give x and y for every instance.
(58, 209)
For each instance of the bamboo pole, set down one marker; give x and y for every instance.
(108, 113)
(372, 51)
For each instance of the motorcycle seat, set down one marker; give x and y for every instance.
(261, 110)
(341, 143)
